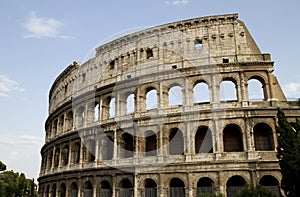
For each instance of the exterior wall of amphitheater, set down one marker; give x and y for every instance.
(114, 130)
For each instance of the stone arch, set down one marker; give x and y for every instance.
(234, 184)
(75, 152)
(256, 89)
(54, 128)
(96, 112)
(107, 147)
(87, 189)
(270, 183)
(151, 98)
(47, 191)
(65, 155)
(175, 97)
(125, 188)
(53, 191)
(80, 116)
(232, 138)
(127, 145)
(201, 92)
(105, 188)
(69, 120)
(263, 137)
(150, 143)
(176, 188)
(205, 185)
(62, 190)
(112, 108)
(74, 189)
(176, 142)
(130, 103)
(150, 188)
(203, 140)
(56, 157)
(228, 89)
(90, 150)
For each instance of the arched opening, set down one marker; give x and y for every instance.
(80, 116)
(96, 112)
(151, 99)
(126, 188)
(47, 192)
(150, 188)
(255, 90)
(74, 190)
(263, 137)
(107, 148)
(69, 123)
(76, 153)
(62, 190)
(50, 157)
(203, 140)
(61, 124)
(130, 104)
(53, 191)
(91, 150)
(56, 157)
(151, 144)
(127, 145)
(201, 93)
(149, 53)
(112, 108)
(177, 188)
(87, 189)
(176, 142)
(234, 185)
(54, 128)
(105, 189)
(228, 91)
(175, 96)
(232, 139)
(205, 185)
(270, 183)
(65, 155)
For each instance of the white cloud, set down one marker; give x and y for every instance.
(177, 2)
(8, 85)
(21, 153)
(292, 90)
(39, 27)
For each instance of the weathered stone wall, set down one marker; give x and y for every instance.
(89, 147)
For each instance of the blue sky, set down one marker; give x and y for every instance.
(39, 39)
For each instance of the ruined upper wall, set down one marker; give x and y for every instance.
(188, 43)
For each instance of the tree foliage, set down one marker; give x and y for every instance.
(15, 184)
(258, 191)
(288, 153)
(2, 166)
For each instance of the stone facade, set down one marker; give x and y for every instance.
(165, 111)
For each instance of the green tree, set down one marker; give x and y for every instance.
(251, 191)
(2, 166)
(13, 184)
(288, 153)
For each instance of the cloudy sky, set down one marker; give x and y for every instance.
(40, 38)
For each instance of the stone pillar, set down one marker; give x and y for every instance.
(270, 84)
(97, 153)
(115, 151)
(69, 155)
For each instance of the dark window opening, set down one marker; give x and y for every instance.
(174, 67)
(198, 45)
(225, 60)
(149, 53)
(112, 64)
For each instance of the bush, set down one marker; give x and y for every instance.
(258, 191)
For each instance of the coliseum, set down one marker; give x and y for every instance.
(174, 110)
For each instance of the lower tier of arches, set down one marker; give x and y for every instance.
(168, 181)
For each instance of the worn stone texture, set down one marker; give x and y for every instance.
(89, 148)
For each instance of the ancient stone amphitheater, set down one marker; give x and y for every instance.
(175, 110)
